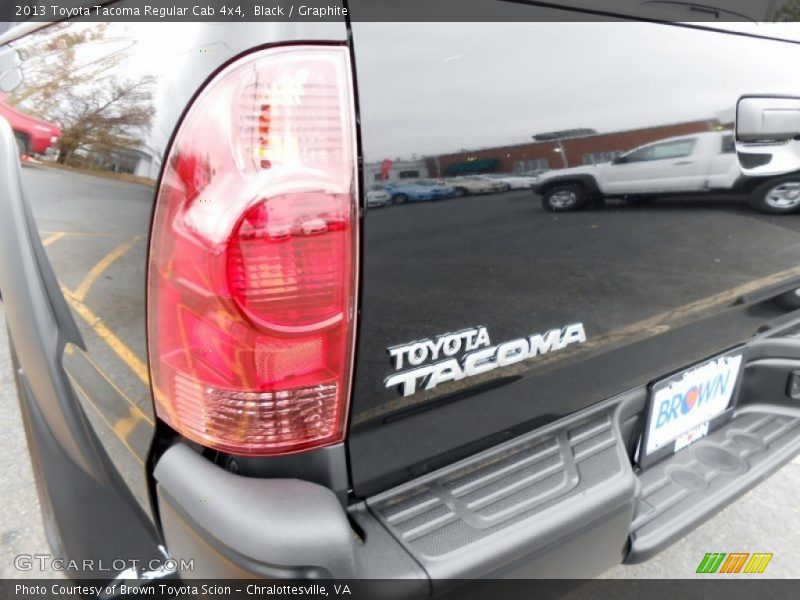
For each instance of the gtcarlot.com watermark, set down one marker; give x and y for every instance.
(153, 567)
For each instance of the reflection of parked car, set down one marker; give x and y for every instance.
(419, 191)
(478, 184)
(33, 135)
(536, 173)
(378, 196)
(516, 182)
(694, 163)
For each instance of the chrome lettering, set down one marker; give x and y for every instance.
(476, 361)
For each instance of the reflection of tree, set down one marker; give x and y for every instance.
(112, 117)
(72, 79)
(789, 11)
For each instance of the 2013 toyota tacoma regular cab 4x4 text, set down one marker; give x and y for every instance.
(224, 353)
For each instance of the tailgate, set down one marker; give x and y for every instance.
(484, 316)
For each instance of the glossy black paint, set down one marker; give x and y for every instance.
(654, 282)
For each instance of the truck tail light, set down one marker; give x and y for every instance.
(253, 260)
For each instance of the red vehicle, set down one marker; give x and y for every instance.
(34, 136)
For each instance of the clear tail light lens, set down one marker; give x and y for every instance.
(253, 260)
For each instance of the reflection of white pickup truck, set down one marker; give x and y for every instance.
(689, 163)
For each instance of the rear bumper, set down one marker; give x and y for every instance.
(233, 527)
(680, 492)
(561, 502)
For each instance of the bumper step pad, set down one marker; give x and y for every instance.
(678, 493)
(512, 499)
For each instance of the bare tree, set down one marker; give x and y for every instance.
(113, 116)
(81, 91)
(789, 11)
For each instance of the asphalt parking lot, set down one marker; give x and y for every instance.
(764, 520)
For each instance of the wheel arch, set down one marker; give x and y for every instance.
(748, 184)
(588, 182)
(756, 195)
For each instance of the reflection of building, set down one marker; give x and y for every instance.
(564, 134)
(574, 148)
(143, 162)
(401, 169)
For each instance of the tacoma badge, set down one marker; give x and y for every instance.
(481, 355)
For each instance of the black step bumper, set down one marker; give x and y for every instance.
(565, 501)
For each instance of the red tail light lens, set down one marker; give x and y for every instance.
(252, 276)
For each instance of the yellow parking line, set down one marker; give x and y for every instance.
(125, 425)
(77, 233)
(119, 348)
(135, 407)
(97, 270)
(102, 416)
(53, 238)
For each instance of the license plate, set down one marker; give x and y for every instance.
(686, 406)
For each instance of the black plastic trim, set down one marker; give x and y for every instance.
(287, 526)
(681, 492)
(241, 527)
(326, 466)
(93, 512)
(751, 160)
(520, 501)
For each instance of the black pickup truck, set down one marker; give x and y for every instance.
(227, 362)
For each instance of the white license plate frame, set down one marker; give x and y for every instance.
(689, 404)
